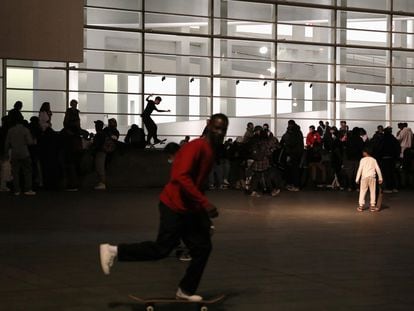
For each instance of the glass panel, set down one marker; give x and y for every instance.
(403, 76)
(112, 18)
(304, 16)
(324, 2)
(364, 28)
(361, 112)
(304, 53)
(402, 59)
(120, 4)
(177, 64)
(357, 93)
(362, 74)
(227, 88)
(364, 21)
(361, 37)
(32, 100)
(369, 4)
(111, 61)
(176, 23)
(239, 107)
(172, 85)
(403, 26)
(403, 113)
(244, 10)
(36, 78)
(193, 7)
(244, 68)
(303, 71)
(171, 44)
(402, 95)
(29, 63)
(90, 81)
(244, 49)
(404, 6)
(362, 57)
(112, 40)
(304, 33)
(245, 29)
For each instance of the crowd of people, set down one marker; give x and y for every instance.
(325, 157)
(33, 155)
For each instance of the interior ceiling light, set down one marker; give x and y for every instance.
(263, 50)
(272, 69)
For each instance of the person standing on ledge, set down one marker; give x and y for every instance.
(148, 121)
(184, 212)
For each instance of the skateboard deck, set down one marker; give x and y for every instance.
(151, 302)
(162, 141)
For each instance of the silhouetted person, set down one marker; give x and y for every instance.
(71, 122)
(15, 114)
(148, 121)
(135, 137)
(45, 116)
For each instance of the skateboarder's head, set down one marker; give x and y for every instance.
(157, 100)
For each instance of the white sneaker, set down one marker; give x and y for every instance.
(100, 186)
(275, 192)
(107, 257)
(181, 295)
(30, 192)
(255, 194)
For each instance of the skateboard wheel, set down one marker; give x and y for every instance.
(203, 308)
(150, 308)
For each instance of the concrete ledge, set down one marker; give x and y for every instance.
(129, 168)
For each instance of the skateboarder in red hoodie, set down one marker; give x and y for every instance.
(185, 212)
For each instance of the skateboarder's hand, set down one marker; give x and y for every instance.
(380, 181)
(212, 211)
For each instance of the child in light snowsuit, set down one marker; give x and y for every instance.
(368, 170)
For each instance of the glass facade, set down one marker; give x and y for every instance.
(265, 62)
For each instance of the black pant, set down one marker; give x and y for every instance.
(151, 128)
(192, 228)
(387, 166)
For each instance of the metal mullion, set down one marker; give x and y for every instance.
(4, 88)
(143, 59)
(163, 73)
(211, 39)
(105, 70)
(390, 24)
(103, 92)
(110, 50)
(37, 67)
(86, 26)
(296, 4)
(63, 90)
(171, 54)
(112, 9)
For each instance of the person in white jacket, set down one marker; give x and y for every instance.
(368, 170)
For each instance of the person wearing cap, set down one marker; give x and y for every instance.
(100, 154)
(148, 121)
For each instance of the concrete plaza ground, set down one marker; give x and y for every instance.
(309, 250)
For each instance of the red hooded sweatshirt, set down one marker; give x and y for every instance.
(189, 172)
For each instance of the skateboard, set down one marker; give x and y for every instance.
(161, 142)
(151, 302)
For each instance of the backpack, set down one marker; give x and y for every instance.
(109, 144)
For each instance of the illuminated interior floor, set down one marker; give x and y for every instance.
(309, 250)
